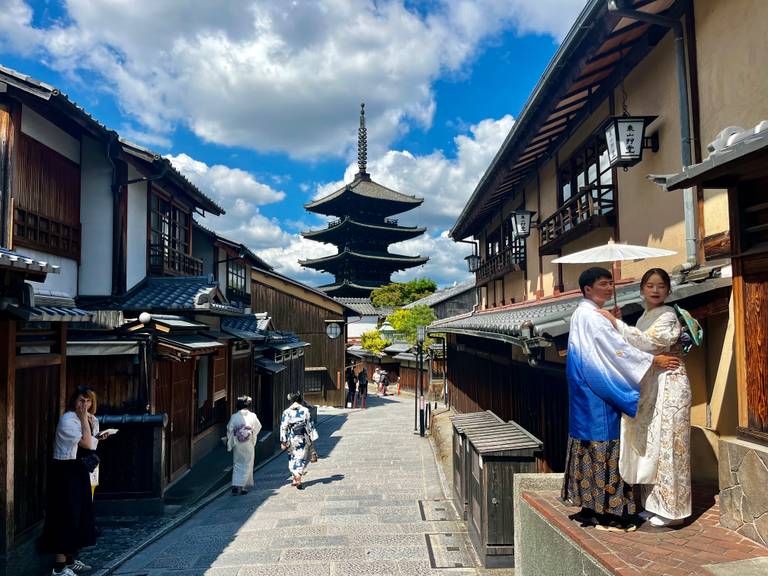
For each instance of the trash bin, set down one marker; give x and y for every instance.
(462, 423)
(496, 452)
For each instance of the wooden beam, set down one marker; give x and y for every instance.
(7, 403)
(37, 360)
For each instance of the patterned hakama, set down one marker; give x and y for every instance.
(592, 478)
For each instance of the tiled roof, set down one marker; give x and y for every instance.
(442, 295)
(367, 189)
(365, 307)
(551, 317)
(366, 256)
(197, 293)
(16, 261)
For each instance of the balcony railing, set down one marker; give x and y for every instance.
(590, 208)
(340, 221)
(166, 261)
(237, 296)
(510, 259)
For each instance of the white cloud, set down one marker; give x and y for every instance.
(240, 194)
(266, 75)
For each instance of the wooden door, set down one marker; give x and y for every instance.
(182, 375)
(173, 396)
(37, 414)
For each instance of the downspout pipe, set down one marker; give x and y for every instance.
(689, 197)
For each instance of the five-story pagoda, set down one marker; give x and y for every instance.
(362, 231)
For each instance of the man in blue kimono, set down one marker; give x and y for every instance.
(604, 374)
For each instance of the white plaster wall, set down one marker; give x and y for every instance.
(34, 125)
(62, 284)
(137, 230)
(222, 269)
(96, 220)
(356, 327)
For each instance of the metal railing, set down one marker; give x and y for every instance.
(578, 210)
(510, 259)
(166, 261)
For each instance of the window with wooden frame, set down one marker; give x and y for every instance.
(493, 243)
(170, 238)
(588, 171)
(237, 279)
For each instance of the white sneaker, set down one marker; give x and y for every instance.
(78, 566)
(65, 572)
(661, 521)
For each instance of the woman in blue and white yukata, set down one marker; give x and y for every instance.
(295, 431)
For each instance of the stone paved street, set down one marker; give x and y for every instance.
(373, 504)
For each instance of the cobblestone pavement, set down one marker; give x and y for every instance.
(373, 504)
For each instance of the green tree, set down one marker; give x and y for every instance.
(405, 321)
(402, 293)
(373, 342)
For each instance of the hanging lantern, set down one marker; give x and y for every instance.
(473, 262)
(521, 223)
(625, 139)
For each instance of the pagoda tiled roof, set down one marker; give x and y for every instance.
(367, 189)
(383, 257)
(348, 224)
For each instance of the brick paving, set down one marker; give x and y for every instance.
(678, 551)
(373, 504)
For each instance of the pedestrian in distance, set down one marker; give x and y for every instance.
(351, 386)
(311, 449)
(69, 519)
(377, 379)
(295, 431)
(384, 382)
(242, 434)
(362, 386)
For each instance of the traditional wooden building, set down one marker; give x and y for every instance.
(362, 231)
(315, 318)
(558, 163)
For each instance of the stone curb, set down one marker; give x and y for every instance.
(194, 509)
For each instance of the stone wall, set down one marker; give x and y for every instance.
(743, 475)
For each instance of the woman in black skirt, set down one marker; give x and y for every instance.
(69, 520)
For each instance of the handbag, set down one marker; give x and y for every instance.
(90, 461)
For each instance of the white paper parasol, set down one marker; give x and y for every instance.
(613, 252)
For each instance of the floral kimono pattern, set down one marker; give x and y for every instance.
(295, 429)
(655, 444)
(242, 434)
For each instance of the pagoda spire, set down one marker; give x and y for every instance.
(362, 145)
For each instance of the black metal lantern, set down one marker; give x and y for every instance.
(625, 139)
(521, 222)
(473, 262)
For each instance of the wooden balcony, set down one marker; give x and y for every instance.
(510, 259)
(165, 261)
(590, 208)
(238, 297)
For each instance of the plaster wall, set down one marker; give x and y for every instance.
(62, 284)
(137, 230)
(34, 125)
(358, 325)
(96, 221)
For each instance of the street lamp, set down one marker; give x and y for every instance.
(473, 262)
(625, 139)
(521, 222)
(421, 333)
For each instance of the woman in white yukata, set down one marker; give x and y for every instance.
(295, 431)
(242, 432)
(655, 444)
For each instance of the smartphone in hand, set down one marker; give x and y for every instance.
(107, 432)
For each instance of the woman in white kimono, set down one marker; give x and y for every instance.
(242, 432)
(655, 444)
(295, 432)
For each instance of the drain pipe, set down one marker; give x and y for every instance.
(689, 198)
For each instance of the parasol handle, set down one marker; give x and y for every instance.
(614, 270)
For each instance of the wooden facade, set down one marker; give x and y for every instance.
(306, 313)
(482, 375)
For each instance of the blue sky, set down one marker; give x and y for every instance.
(257, 101)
